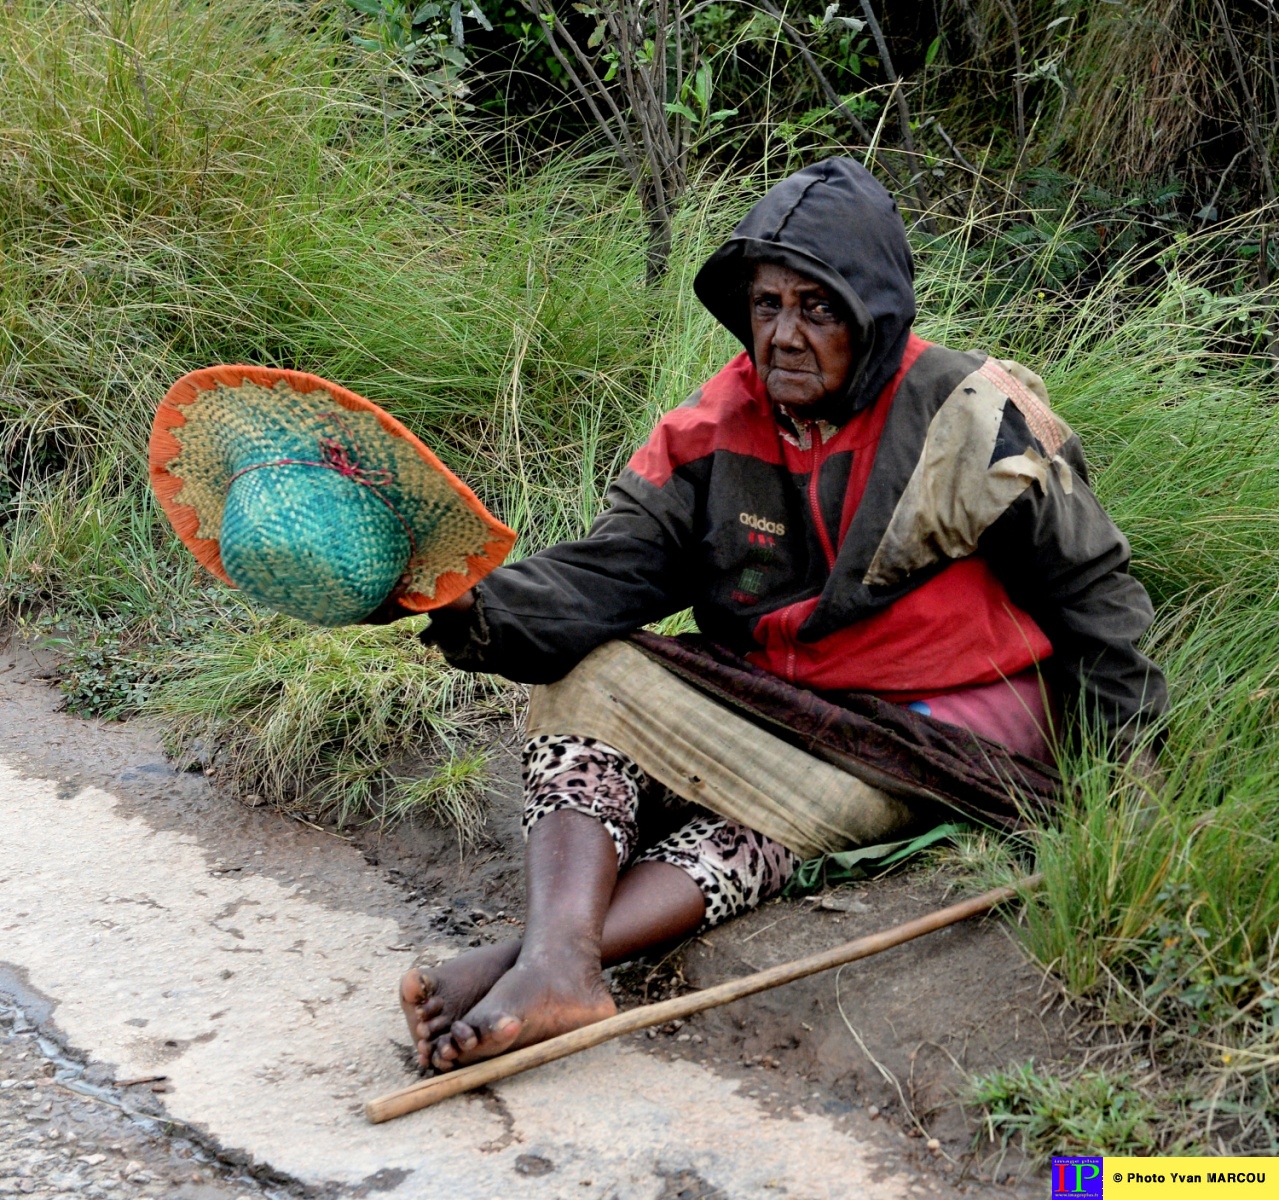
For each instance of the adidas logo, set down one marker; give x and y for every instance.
(761, 525)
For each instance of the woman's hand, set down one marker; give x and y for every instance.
(464, 602)
(389, 610)
(392, 610)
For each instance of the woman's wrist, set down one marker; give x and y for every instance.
(389, 610)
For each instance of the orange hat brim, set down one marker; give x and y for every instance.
(165, 447)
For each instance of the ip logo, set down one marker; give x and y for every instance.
(1077, 1177)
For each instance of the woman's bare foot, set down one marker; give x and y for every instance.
(540, 997)
(434, 998)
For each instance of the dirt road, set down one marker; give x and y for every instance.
(199, 996)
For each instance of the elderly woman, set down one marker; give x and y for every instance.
(848, 509)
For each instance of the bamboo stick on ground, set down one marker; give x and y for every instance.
(464, 1079)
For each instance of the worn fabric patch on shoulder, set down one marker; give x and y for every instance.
(959, 487)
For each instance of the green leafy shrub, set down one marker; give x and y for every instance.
(103, 679)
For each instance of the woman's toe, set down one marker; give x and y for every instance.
(443, 1054)
(496, 1035)
(463, 1037)
(413, 989)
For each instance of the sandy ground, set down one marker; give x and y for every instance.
(153, 927)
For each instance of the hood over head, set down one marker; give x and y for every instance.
(835, 223)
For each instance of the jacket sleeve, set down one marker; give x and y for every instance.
(1065, 562)
(535, 619)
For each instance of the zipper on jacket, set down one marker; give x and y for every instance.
(788, 636)
(823, 535)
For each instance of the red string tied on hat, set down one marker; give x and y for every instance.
(343, 456)
(337, 457)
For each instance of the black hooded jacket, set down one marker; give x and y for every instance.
(940, 482)
(836, 224)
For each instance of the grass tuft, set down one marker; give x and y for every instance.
(326, 723)
(453, 794)
(1050, 1114)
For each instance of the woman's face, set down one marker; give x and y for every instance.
(803, 346)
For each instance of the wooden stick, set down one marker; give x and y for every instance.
(450, 1083)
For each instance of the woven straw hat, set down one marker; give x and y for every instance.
(313, 500)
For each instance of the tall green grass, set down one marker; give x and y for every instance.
(181, 186)
(1160, 901)
(185, 185)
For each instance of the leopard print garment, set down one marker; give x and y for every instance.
(735, 867)
(587, 776)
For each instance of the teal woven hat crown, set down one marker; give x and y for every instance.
(315, 539)
(312, 500)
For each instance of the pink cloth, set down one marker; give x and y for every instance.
(1011, 711)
